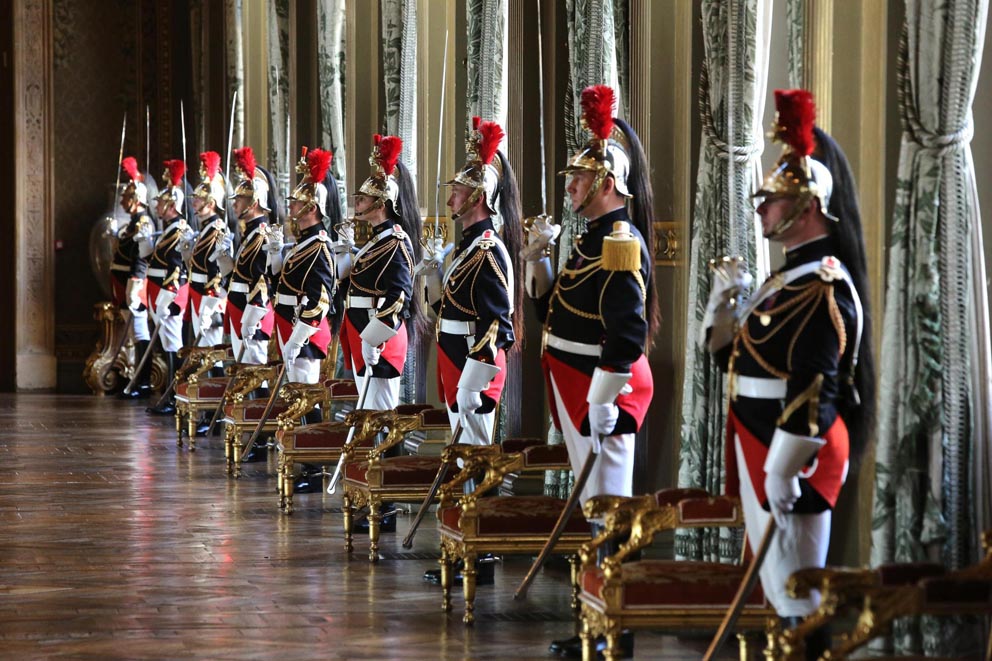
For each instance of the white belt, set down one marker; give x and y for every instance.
(362, 302)
(156, 273)
(452, 327)
(580, 348)
(759, 388)
(287, 299)
(240, 287)
(120, 267)
(198, 277)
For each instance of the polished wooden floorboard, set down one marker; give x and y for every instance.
(114, 544)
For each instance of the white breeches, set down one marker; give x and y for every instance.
(139, 323)
(477, 429)
(383, 394)
(209, 337)
(803, 544)
(171, 334)
(613, 472)
(256, 351)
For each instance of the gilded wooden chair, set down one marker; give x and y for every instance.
(471, 525)
(657, 593)
(196, 393)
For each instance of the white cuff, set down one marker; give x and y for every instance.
(477, 375)
(789, 453)
(343, 264)
(301, 333)
(164, 299)
(538, 277)
(432, 283)
(253, 315)
(377, 333)
(605, 386)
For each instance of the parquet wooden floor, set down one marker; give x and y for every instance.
(116, 545)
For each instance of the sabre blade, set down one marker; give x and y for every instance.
(440, 140)
(120, 157)
(540, 96)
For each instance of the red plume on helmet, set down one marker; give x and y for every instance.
(389, 147)
(174, 171)
(796, 116)
(491, 135)
(211, 163)
(245, 159)
(597, 110)
(130, 166)
(318, 163)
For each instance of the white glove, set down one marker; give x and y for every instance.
(251, 320)
(370, 354)
(730, 282)
(782, 493)
(111, 227)
(290, 352)
(435, 253)
(274, 239)
(163, 303)
(143, 237)
(541, 234)
(223, 253)
(346, 237)
(468, 401)
(186, 243)
(134, 293)
(603, 419)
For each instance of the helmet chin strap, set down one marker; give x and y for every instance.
(467, 205)
(594, 188)
(378, 204)
(789, 220)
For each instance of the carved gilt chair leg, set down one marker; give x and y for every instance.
(586, 635)
(469, 572)
(612, 651)
(375, 521)
(445, 563)
(229, 448)
(179, 426)
(192, 414)
(574, 565)
(349, 512)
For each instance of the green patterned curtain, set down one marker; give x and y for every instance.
(277, 39)
(933, 405)
(235, 58)
(399, 76)
(795, 18)
(596, 44)
(331, 72)
(736, 35)
(486, 31)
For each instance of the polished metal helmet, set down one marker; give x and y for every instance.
(482, 171)
(253, 183)
(797, 174)
(135, 188)
(172, 192)
(211, 186)
(311, 191)
(381, 183)
(605, 153)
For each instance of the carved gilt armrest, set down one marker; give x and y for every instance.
(617, 514)
(302, 398)
(647, 523)
(247, 379)
(198, 361)
(469, 461)
(399, 427)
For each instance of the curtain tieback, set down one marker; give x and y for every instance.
(942, 144)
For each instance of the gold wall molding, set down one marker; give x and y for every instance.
(33, 208)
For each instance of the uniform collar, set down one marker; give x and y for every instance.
(605, 222)
(253, 224)
(470, 234)
(810, 251)
(381, 227)
(311, 231)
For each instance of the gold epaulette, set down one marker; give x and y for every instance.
(621, 249)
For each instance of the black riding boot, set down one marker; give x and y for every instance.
(168, 407)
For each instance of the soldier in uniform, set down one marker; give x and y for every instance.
(127, 271)
(208, 295)
(792, 355)
(379, 278)
(167, 286)
(475, 297)
(601, 310)
(248, 315)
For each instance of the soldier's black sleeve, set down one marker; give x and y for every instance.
(621, 304)
(818, 347)
(259, 288)
(318, 287)
(491, 301)
(397, 281)
(543, 303)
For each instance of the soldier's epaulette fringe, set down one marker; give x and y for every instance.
(621, 249)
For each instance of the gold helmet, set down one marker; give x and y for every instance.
(797, 174)
(311, 190)
(211, 186)
(381, 183)
(135, 189)
(253, 182)
(172, 192)
(605, 154)
(482, 172)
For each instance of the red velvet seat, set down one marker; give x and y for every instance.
(411, 470)
(210, 388)
(675, 584)
(516, 515)
(253, 409)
